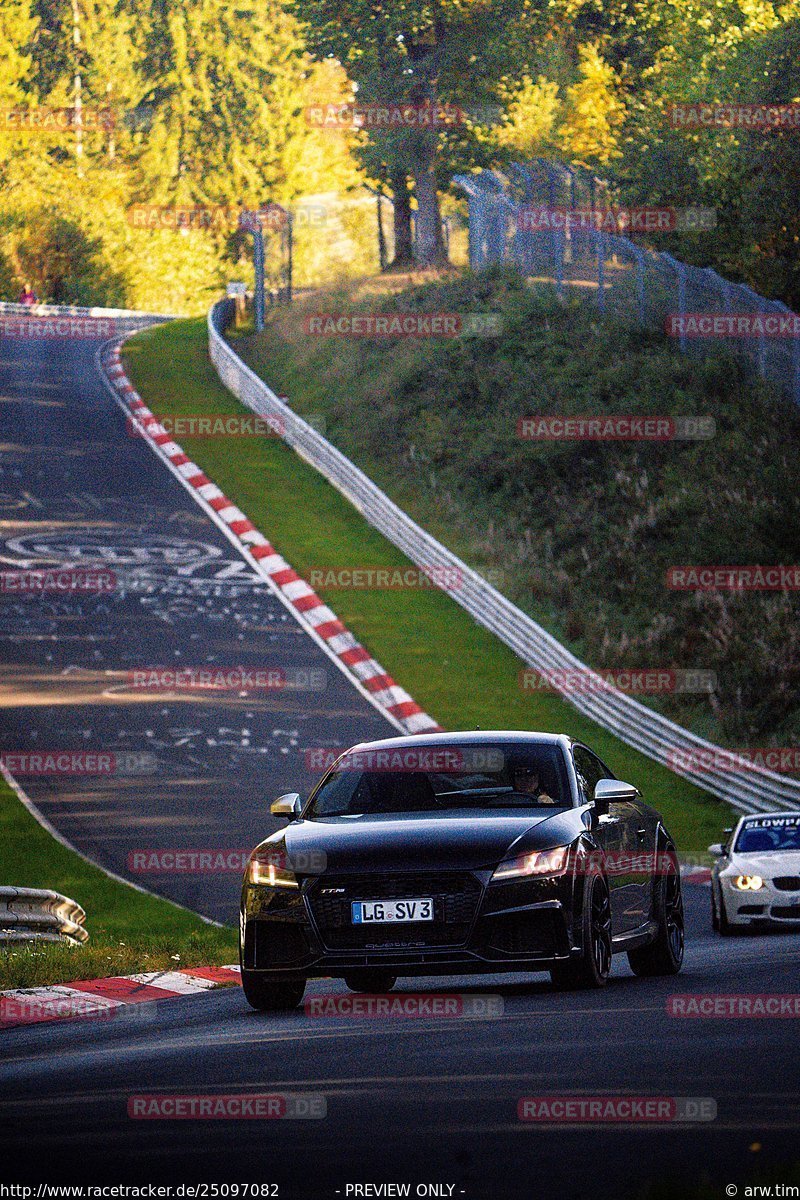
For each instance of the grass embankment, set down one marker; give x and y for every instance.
(458, 671)
(582, 533)
(129, 931)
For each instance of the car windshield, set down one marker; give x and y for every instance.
(437, 779)
(769, 833)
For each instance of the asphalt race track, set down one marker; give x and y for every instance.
(195, 772)
(424, 1101)
(419, 1100)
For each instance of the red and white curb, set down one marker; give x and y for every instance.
(700, 876)
(370, 677)
(105, 997)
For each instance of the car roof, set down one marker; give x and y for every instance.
(472, 737)
(769, 816)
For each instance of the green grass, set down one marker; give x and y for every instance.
(454, 668)
(581, 533)
(128, 930)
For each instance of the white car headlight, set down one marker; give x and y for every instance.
(539, 862)
(748, 883)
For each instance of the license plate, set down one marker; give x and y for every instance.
(373, 912)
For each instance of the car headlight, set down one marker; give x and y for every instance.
(539, 862)
(748, 883)
(266, 868)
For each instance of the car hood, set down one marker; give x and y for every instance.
(466, 840)
(768, 865)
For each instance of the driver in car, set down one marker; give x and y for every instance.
(526, 781)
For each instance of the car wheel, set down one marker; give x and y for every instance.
(269, 996)
(592, 969)
(664, 955)
(376, 982)
(714, 913)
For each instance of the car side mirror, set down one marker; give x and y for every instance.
(606, 790)
(287, 805)
(716, 848)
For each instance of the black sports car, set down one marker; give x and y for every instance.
(456, 854)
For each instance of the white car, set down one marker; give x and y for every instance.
(756, 878)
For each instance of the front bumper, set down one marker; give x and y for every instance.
(478, 927)
(769, 905)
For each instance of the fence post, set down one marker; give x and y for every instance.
(680, 270)
(762, 341)
(290, 262)
(382, 255)
(600, 246)
(641, 297)
(258, 267)
(682, 302)
(560, 238)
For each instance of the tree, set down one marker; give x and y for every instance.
(594, 113)
(18, 26)
(425, 55)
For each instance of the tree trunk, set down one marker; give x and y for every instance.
(430, 249)
(403, 244)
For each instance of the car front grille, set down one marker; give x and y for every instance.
(455, 901)
(787, 883)
(786, 912)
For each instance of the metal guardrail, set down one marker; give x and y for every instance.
(38, 915)
(129, 316)
(747, 787)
